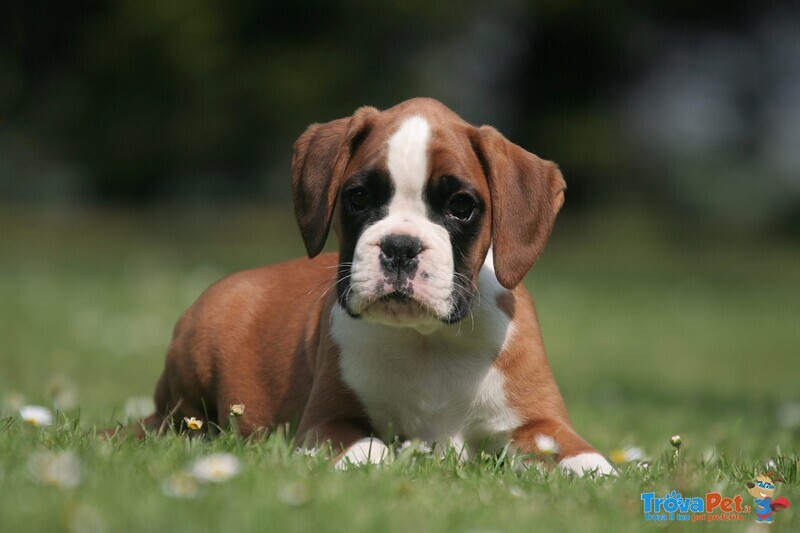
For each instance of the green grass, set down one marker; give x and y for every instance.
(651, 331)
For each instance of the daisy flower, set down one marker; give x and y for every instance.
(546, 444)
(416, 447)
(216, 468)
(308, 452)
(193, 423)
(36, 415)
(57, 469)
(628, 454)
(237, 409)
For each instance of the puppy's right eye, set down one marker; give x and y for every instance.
(358, 199)
(461, 206)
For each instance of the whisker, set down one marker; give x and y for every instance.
(334, 284)
(340, 265)
(343, 301)
(315, 287)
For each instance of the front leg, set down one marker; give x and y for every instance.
(368, 450)
(572, 452)
(350, 442)
(335, 417)
(532, 391)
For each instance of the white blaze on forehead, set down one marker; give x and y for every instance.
(407, 160)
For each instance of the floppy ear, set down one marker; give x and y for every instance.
(527, 193)
(320, 158)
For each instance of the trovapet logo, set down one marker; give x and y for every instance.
(762, 491)
(675, 507)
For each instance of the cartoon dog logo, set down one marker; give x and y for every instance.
(762, 490)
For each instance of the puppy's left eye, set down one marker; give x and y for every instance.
(461, 206)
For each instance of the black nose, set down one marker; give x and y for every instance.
(399, 253)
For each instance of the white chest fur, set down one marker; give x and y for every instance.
(441, 387)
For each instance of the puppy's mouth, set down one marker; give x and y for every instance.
(402, 296)
(398, 306)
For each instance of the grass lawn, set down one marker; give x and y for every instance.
(652, 330)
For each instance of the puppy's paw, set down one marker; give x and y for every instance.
(585, 463)
(365, 451)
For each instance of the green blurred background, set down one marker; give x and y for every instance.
(688, 107)
(145, 149)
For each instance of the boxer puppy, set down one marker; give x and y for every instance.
(418, 328)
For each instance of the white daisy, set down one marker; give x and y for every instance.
(216, 468)
(195, 424)
(237, 409)
(36, 415)
(416, 447)
(546, 444)
(628, 454)
(58, 469)
(307, 452)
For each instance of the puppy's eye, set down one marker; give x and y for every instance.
(461, 206)
(358, 199)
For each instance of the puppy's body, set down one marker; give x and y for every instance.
(232, 347)
(417, 329)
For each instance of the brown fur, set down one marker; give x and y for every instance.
(530, 386)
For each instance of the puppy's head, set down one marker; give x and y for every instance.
(416, 197)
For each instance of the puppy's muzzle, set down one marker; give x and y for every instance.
(400, 256)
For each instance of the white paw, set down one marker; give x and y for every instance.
(584, 463)
(455, 445)
(363, 452)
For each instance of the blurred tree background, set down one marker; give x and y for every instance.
(689, 108)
